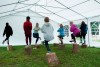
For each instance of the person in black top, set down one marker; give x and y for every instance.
(83, 30)
(8, 32)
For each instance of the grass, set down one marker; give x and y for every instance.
(87, 57)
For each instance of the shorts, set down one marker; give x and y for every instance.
(61, 36)
(36, 35)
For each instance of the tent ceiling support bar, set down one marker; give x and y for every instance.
(14, 10)
(97, 1)
(43, 6)
(55, 13)
(12, 13)
(16, 5)
(58, 7)
(18, 8)
(41, 15)
(13, 3)
(34, 4)
(70, 9)
(79, 3)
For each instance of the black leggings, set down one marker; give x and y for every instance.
(73, 36)
(7, 39)
(83, 35)
(37, 40)
(47, 45)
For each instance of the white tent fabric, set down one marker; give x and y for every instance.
(64, 10)
(59, 11)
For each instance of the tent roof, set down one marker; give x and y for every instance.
(57, 10)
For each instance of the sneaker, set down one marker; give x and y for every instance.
(71, 41)
(80, 42)
(49, 51)
(34, 48)
(3, 42)
(40, 38)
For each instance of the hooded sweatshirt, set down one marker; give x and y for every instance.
(83, 28)
(27, 27)
(47, 31)
(61, 31)
(8, 31)
(74, 29)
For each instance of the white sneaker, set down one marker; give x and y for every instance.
(35, 48)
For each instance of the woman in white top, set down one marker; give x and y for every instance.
(47, 30)
(36, 34)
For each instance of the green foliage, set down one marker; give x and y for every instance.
(87, 57)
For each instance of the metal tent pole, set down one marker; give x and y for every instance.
(55, 13)
(70, 9)
(88, 32)
(13, 3)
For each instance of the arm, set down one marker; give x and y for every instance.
(58, 30)
(4, 32)
(71, 30)
(42, 29)
(24, 26)
(11, 31)
(31, 26)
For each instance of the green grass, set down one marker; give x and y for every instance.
(87, 57)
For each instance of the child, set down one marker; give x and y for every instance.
(61, 33)
(8, 31)
(27, 30)
(36, 34)
(75, 32)
(83, 29)
(47, 30)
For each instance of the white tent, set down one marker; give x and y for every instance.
(59, 11)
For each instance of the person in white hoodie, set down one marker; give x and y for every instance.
(47, 29)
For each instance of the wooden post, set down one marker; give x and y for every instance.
(55, 44)
(36, 46)
(61, 46)
(84, 46)
(9, 48)
(75, 48)
(52, 59)
(28, 50)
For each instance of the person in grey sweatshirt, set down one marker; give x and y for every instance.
(47, 30)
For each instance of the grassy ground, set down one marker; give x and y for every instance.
(89, 57)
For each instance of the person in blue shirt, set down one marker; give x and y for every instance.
(61, 33)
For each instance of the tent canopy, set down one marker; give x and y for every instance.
(58, 10)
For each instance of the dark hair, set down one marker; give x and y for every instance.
(27, 17)
(7, 24)
(83, 22)
(61, 25)
(46, 19)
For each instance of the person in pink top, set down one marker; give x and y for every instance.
(75, 32)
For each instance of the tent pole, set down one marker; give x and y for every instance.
(13, 3)
(55, 13)
(70, 9)
(88, 32)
